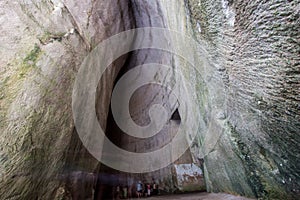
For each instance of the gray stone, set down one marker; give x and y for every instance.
(248, 95)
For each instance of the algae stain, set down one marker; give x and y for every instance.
(14, 77)
(33, 55)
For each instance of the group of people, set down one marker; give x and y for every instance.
(146, 190)
(139, 190)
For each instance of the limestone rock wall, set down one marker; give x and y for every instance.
(256, 46)
(42, 46)
(253, 49)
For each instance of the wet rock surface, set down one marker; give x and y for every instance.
(252, 139)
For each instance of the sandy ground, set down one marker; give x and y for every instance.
(199, 196)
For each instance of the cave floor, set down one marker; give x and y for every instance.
(199, 196)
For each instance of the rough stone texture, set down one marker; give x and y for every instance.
(256, 45)
(42, 46)
(252, 143)
(189, 177)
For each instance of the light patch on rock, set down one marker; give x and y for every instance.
(229, 13)
(199, 27)
(188, 175)
(58, 6)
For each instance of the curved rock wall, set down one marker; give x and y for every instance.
(42, 46)
(252, 143)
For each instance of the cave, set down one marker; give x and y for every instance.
(141, 100)
(189, 99)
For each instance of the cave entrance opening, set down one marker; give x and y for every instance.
(168, 179)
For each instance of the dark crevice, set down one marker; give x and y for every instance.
(108, 179)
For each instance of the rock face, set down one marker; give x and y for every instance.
(255, 49)
(189, 177)
(248, 94)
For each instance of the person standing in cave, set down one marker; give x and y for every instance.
(125, 192)
(148, 190)
(118, 192)
(154, 187)
(144, 189)
(139, 189)
(130, 188)
(114, 192)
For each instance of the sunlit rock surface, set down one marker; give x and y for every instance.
(248, 104)
(189, 177)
